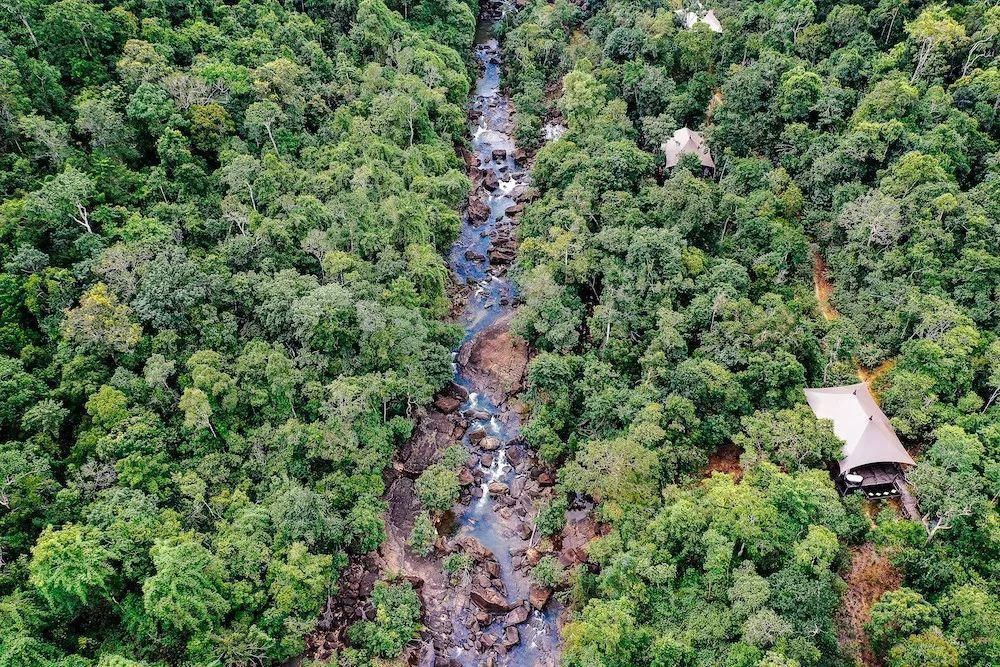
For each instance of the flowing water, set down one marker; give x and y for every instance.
(490, 299)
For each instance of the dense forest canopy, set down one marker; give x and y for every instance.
(222, 296)
(675, 315)
(223, 300)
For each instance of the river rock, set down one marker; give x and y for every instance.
(489, 443)
(577, 537)
(428, 656)
(490, 180)
(546, 479)
(514, 455)
(523, 531)
(498, 488)
(465, 477)
(517, 487)
(517, 615)
(486, 461)
(511, 637)
(477, 434)
(473, 256)
(501, 255)
(532, 556)
(447, 404)
(495, 360)
(474, 548)
(538, 596)
(458, 391)
(498, 155)
(490, 600)
(478, 210)
(526, 194)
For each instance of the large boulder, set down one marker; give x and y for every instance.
(447, 404)
(478, 210)
(538, 596)
(488, 599)
(489, 443)
(517, 615)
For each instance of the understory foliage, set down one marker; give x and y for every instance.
(221, 296)
(675, 315)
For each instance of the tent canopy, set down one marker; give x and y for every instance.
(692, 18)
(858, 421)
(687, 141)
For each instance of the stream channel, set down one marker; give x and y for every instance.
(477, 261)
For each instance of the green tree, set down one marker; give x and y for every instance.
(792, 438)
(101, 322)
(262, 118)
(898, 614)
(66, 197)
(948, 482)
(933, 32)
(818, 549)
(423, 535)
(186, 594)
(71, 569)
(927, 649)
(438, 487)
(397, 610)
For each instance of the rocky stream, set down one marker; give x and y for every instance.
(491, 614)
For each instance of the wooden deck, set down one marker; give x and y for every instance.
(908, 500)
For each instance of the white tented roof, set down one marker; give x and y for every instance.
(858, 421)
(692, 18)
(712, 21)
(683, 142)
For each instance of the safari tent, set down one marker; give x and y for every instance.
(873, 455)
(692, 18)
(686, 141)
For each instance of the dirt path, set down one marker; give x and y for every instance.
(871, 376)
(869, 576)
(823, 288)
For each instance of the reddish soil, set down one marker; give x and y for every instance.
(823, 288)
(868, 577)
(725, 459)
(870, 377)
(713, 104)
